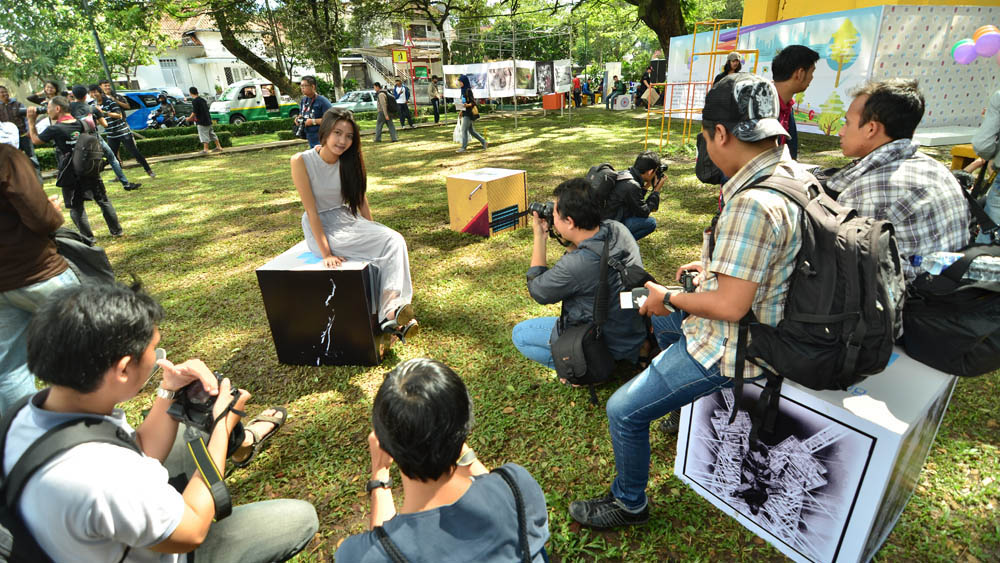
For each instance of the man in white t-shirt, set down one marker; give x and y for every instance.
(95, 345)
(402, 94)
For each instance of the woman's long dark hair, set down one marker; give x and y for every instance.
(466, 85)
(353, 179)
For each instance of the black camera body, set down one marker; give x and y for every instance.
(661, 170)
(687, 280)
(544, 210)
(193, 405)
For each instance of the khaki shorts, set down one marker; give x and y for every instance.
(206, 134)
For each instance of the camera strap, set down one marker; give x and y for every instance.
(212, 477)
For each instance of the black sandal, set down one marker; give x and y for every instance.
(278, 420)
(403, 325)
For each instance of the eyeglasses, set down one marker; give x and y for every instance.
(161, 354)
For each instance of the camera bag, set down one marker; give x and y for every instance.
(954, 325)
(87, 260)
(17, 545)
(580, 354)
(602, 178)
(843, 309)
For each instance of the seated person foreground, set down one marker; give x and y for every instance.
(453, 509)
(95, 346)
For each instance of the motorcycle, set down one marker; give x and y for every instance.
(158, 120)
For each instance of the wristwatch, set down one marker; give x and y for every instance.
(165, 394)
(378, 484)
(666, 302)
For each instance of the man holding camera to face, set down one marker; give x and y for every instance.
(574, 279)
(629, 204)
(748, 256)
(98, 501)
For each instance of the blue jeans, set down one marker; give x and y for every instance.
(672, 380)
(17, 306)
(468, 128)
(639, 226)
(115, 165)
(992, 209)
(531, 338)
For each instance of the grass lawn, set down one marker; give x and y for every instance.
(195, 234)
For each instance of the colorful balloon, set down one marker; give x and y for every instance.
(984, 29)
(964, 51)
(987, 44)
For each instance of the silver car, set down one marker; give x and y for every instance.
(357, 101)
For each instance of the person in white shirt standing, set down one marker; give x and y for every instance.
(402, 94)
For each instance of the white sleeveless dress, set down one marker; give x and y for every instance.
(357, 238)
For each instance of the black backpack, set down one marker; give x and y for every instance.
(87, 153)
(602, 178)
(390, 103)
(16, 544)
(88, 261)
(843, 309)
(706, 170)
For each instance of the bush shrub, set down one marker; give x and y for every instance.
(286, 135)
(241, 130)
(175, 144)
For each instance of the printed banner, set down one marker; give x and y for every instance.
(501, 78)
(452, 89)
(611, 70)
(479, 79)
(544, 79)
(563, 75)
(524, 72)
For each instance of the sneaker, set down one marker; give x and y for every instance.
(151, 174)
(460, 150)
(131, 186)
(216, 150)
(671, 423)
(485, 145)
(606, 512)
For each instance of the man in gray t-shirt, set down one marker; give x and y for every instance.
(421, 416)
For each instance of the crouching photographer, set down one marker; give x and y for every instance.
(635, 193)
(575, 278)
(92, 488)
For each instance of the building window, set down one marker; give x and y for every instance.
(168, 63)
(229, 75)
(418, 31)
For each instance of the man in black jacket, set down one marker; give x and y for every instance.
(629, 202)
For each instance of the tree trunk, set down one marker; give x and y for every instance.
(338, 81)
(241, 52)
(664, 17)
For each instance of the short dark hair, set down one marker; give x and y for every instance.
(309, 79)
(104, 81)
(422, 415)
(94, 87)
(896, 103)
(576, 202)
(708, 128)
(193, 90)
(83, 330)
(2, 86)
(790, 59)
(647, 161)
(80, 92)
(377, 85)
(60, 102)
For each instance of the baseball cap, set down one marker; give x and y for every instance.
(733, 56)
(9, 134)
(747, 105)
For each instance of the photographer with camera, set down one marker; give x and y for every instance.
(453, 508)
(110, 499)
(574, 279)
(13, 111)
(628, 203)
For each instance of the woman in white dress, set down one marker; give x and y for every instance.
(337, 222)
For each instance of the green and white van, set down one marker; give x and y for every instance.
(252, 100)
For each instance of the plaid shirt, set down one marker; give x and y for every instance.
(916, 193)
(757, 239)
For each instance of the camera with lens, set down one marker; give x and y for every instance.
(23, 111)
(193, 405)
(661, 170)
(544, 210)
(687, 280)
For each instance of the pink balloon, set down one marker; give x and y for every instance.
(988, 44)
(965, 53)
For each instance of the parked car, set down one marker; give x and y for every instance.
(252, 100)
(144, 102)
(358, 100)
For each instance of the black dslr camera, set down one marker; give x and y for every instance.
(544, 210)
(193, 405)
(661, 170)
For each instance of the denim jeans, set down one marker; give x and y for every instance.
(129, 142)
(468, 128)
(639, 226)
(115, 165)
(672, 380)
(270, 530)
(436, 105)
(78, 213)
(992, 209)
(380, 120)
(17, 306)
(531, 338)
(404, 114)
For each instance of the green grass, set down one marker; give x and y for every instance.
(196, 233)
